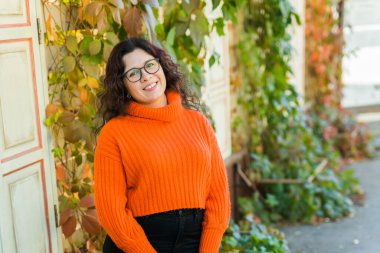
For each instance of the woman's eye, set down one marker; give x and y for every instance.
(132, 73)
(150, 64)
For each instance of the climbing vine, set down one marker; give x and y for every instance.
(288, 161)
(253, 237)
(324, 53)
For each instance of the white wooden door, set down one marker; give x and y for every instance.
(217, 91)
(297, 62)
(27, 184)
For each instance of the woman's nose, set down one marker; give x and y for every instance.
(145, 75)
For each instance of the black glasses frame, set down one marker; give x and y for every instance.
(140, 70)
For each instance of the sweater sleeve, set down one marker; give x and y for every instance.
(218, 206)
(111, 199)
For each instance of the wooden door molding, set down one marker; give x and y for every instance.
(21, 16)
(28, 194)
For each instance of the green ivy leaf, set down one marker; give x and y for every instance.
(111, 37)
(107, 51)
(49, 121)
(170, 37)
(271, 200)
(190, 5)
(285, 8)
(84, 45)
(86, 113)
(95, 47)
(160, 31)
(58, 152)
(90, 157)
(211, 61)
(78, 160)
(215, 3)
(232, 241)
(71, 44)
(91, 69)
(170, 51)
(199, 28)
(229, 12)
(68, 63)
(219, 25)
(182, 16)
(297, 17)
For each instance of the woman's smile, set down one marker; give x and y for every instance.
(151, 87)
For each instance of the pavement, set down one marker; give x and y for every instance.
(357, 234)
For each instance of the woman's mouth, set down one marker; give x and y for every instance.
(151, 87)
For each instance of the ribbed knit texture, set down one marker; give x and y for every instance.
(155, 160)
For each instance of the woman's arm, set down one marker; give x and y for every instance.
(218, 206)
(111, 199)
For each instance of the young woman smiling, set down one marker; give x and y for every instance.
(160, 180)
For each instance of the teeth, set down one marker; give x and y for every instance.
(150, 86)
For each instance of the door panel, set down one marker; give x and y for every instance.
(18, 111)
(14, 13)
(27, 175)
(26, 215)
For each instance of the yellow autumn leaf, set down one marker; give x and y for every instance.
(92, 82)
(82, 82)
(81, 9)
(83, 95)
(52, 35)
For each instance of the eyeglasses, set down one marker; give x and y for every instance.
(134, 74)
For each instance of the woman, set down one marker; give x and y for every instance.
(160, 180)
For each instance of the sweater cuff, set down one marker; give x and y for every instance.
(211, 240)
(141, 245)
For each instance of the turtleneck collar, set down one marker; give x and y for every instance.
(167, 113)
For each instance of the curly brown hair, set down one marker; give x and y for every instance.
(113, 99)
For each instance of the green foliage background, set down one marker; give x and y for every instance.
(281, 140)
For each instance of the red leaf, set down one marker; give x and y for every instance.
(60, 172)
(65, 215)
(91, 224)
(102, 22)
(133, 21)
(86, 171)
(87, 201)
(69, 227)
(51, 110)
(92, 212)
(93, 9)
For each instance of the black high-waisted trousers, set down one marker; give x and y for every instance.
(177, 231)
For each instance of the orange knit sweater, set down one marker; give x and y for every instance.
(155, 160)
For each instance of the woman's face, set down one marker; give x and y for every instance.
(150, 89)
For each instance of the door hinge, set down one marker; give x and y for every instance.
(56, 216)
(39, 31)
